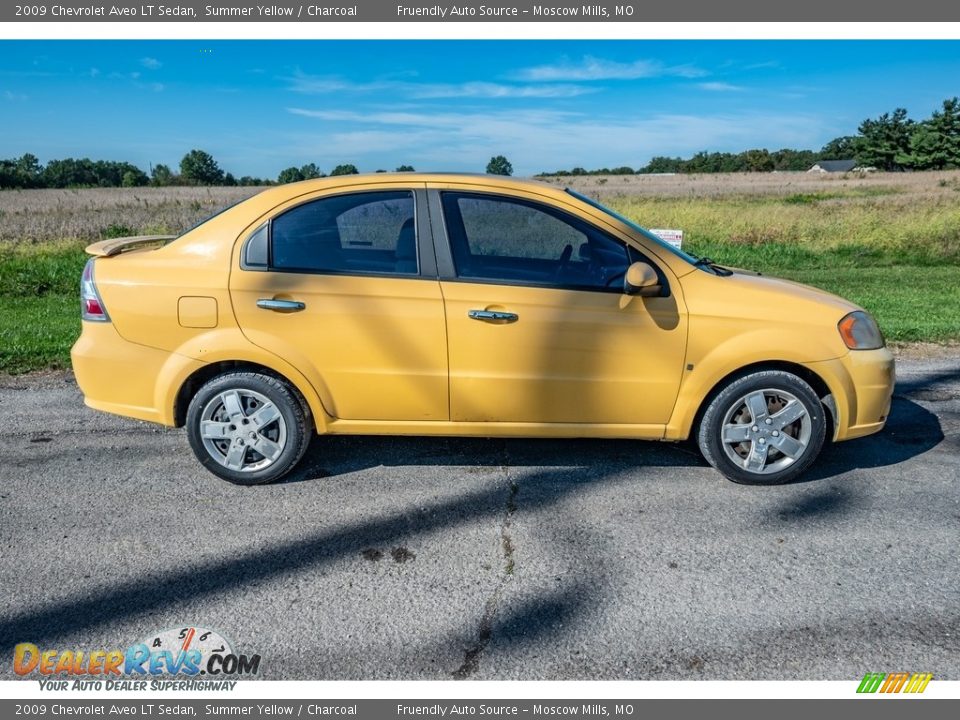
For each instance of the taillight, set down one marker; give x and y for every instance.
(91, 306)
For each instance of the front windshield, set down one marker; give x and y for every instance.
(633, 226)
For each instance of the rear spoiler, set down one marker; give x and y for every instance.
(109, 248)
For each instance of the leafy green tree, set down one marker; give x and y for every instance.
(8, 174)
(841, 148)
(134, 178)
(661, 164)
(406, 168)
(289, 175)
(499, 165)
(229, 180)
(945, 123)
(161, 175)
(926, 150)
(884, 143)
(756, 161)
(69, 172)
(789, 159)
(27, 171)
(310, 171)
(346, 169)
(199, 168)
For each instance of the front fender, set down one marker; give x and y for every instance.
(707, 365)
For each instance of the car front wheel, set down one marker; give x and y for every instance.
(765, 428)
(247, 428)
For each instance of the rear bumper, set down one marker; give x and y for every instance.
(124, 378)
(861, 383)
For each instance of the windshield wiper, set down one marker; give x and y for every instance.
(718, 269)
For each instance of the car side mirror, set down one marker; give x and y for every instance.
(641, 279)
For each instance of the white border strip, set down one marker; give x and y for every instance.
(481, 31)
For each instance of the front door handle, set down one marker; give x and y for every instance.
(280, 305)
(493, 316)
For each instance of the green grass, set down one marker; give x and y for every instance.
(911, 303)
(36, 333)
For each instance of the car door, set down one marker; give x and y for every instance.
(343, 285)
(538, 326)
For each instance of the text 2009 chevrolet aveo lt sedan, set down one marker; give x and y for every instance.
(459, 305)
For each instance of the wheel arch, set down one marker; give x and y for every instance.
(814, 380)
(193, 382)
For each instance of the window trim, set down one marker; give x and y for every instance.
(447, 265)
(244, 265)
(426, 261)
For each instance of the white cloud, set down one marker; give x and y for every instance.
(13, 97)
(305, 84)
(720, 87)
(590, 68)
(151, 63)
(497, 90)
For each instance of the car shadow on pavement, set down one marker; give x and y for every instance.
(910, 431)
(336, 455)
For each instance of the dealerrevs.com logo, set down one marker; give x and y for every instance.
(185, 658)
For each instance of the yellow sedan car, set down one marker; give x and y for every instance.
(432, 304)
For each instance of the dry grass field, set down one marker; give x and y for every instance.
(888, 241)
(35, 216)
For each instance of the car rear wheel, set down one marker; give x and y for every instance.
(247, 428)
(765, 428)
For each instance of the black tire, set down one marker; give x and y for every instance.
(232, 401)
(739, 460)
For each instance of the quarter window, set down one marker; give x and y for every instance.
(358, 233)
(516, 241)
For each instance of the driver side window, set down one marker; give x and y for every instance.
(520, 242)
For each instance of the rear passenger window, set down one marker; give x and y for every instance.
(358, 233)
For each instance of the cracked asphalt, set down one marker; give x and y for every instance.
(415, 558)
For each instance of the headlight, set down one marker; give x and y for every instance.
(860, 331)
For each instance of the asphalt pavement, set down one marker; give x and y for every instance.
(433, 558)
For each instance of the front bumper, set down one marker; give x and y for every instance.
(861, 383)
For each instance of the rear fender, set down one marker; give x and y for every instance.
(230, 345)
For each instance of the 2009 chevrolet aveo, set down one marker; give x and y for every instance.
(438, 304)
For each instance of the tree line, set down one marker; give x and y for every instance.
(197, 167)
(891, 142)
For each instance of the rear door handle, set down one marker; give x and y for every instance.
(280, 305)
(492, 316)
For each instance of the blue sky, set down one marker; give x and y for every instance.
(260, 106)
